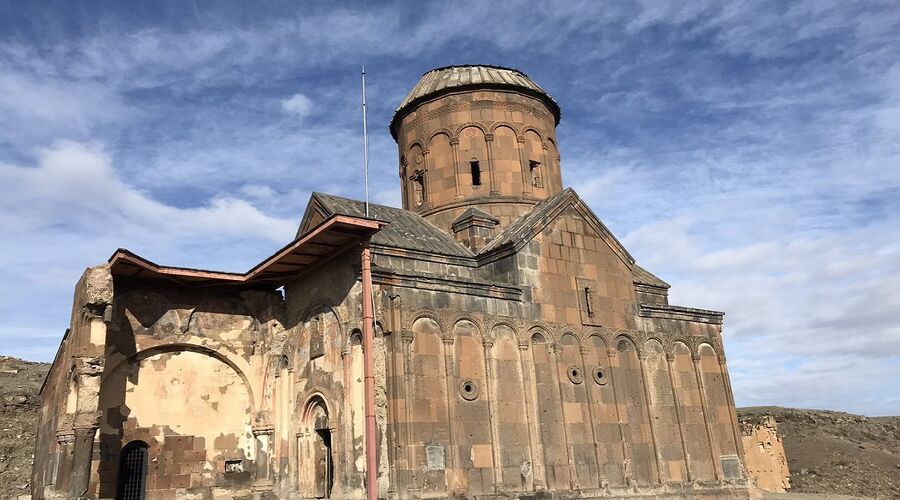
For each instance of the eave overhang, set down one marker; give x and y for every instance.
(329, 239)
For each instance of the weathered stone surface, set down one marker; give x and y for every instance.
(520, 352)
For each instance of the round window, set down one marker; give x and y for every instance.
(468, 389)
(600, 375)
(575, 375)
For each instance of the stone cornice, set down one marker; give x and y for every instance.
(679, 313)
(449, 284)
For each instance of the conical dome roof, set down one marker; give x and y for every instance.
(470, 77)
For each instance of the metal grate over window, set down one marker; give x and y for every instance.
(133, 472)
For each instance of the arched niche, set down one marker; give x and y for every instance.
(664, 413)
(718, 408)
(321, 338)
(638, 439)
(606, 420)
(416, 177)
(441, 170)
(510, 404)
(428, 400)
(473, 154)
(534, 156)
(207, 411)
(507, 163)
(692, 413)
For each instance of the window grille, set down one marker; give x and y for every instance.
(133, 472)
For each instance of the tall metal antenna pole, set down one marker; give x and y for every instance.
(365, 138)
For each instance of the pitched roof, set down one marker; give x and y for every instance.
(336, 234)
(405, 229)
(448, 79)
(528, 225)
(641, 275)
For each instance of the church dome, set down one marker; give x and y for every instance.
(449, 79)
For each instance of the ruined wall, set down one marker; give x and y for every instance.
(764, 456)
(202, 353)
(326, 379)
(69, 406)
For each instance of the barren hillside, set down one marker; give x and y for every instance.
(19, 385)
(838, 453)
(828, 452)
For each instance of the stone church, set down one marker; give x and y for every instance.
(493, 336)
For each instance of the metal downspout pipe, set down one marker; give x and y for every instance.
(369, 372)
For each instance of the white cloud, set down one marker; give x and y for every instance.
(74, 185)
(297, 104)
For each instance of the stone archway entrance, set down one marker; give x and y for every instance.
(316, 454)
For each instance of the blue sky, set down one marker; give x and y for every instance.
(747, 153)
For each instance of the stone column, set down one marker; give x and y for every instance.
(534, 439)
(408, 382)
(601, 479)
(457, 168)
(547, 167)
(492, 411)
(526, 168)
(86, 422)
(404, 183)
(702, 388)
(452, 470)
(489, 140)
(554, 363)
(611, 354)
(642, 356)
(679, 415)
(726, 380)
(427, 190)
(65, 436)
(262, 432)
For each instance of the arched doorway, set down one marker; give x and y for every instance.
(132, 483)
(316, 454)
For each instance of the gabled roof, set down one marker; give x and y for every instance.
(528, 226)
(330, 238)
(405, 229)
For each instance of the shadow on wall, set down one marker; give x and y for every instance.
(196, 384)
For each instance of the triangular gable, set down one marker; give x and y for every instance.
(523, 230)
(316, 212)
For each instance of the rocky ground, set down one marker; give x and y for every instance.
(20, 382)
(838, 453)
(829, 453)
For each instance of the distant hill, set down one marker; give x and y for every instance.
(828, 452)
(831, 452)
(20, 382)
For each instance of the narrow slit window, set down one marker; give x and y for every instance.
(476, 173)
(587, 302)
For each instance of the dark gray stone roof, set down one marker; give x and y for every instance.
(406, 229)
(448, 79)
(524, 226)
(644, 276)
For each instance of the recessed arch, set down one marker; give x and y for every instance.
(466, 125)
(420, 322)
(625, 343)
(198, 345)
